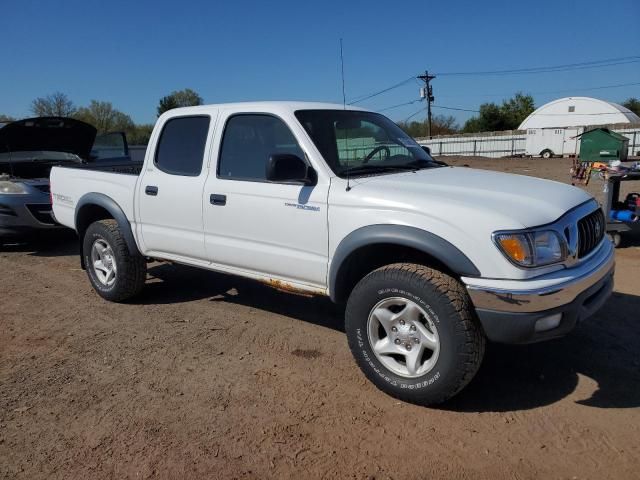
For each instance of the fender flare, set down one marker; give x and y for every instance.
(103, 201)
(403, 235)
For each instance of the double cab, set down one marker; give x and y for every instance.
(430, 260)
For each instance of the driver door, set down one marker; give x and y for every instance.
(269, 229)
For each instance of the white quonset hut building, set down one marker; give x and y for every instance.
(553, 128)
(578, 112)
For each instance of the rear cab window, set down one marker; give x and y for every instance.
(180, 150)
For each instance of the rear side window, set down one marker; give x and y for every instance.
(181, 147)
(249, 141)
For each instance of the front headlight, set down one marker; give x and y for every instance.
(7, 186)
(532, 248)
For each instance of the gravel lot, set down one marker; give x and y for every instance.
(212, 376)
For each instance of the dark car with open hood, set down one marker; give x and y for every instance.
(29, 148)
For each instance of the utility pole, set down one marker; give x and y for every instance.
(427, 92)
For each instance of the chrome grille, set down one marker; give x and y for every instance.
(591, 230)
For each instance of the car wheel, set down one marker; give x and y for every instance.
(546, 154)
(115, 273)
(413, 333)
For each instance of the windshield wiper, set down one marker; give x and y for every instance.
(378, 168)
(411, 166)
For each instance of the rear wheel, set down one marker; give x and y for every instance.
(546, 154)
(412, 332)
(115, 273)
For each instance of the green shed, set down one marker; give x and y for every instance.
(603, 145)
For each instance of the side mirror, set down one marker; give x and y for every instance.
(426, 149)
(289, 168)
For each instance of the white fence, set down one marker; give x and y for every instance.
(502, 144)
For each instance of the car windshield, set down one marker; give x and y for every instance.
(356, 142)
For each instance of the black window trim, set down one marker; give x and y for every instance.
(157, 146)
(256, 180)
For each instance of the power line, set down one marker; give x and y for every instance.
(553, 68)
(568, 90)
(520, 71)
(410, 116)
(589, 88)
(362, 98)
(399, 105)
(456, 108)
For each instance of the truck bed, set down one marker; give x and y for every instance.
(115, 180)
(115, 165)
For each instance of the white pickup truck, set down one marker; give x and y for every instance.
(431, 260)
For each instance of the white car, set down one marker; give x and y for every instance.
(431, 260)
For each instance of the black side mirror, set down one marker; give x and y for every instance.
(289, 168)
(426, 149)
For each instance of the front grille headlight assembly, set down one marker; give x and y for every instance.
(9, 187)
(534, 248)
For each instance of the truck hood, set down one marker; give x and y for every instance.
(460, 191)
(46, 134)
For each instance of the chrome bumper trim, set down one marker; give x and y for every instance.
(537, 300)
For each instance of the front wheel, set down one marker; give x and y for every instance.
(115, 273)
(412, 332)
(546, 154)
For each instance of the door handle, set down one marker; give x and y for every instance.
(216, 199)
(151, 190)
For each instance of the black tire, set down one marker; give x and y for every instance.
(461, 340)
(131, 268)
(546, 153)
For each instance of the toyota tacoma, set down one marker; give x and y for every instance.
(432, 261)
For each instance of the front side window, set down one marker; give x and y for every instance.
(356, 142)
(181, 147)
(249, 140)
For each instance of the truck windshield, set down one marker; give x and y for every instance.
(354, 142)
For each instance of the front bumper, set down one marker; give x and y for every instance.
(522, 311)
(25, 213)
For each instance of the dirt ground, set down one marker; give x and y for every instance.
(212, 376)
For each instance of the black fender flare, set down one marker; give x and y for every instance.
(422, 240)
(110, 205)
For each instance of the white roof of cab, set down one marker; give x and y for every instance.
(267, 107)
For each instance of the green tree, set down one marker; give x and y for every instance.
(440, 125)
(105, 117)
(632, 104)
(508, 116)
(140, 134)
(177, 99)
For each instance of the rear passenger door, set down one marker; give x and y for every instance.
(259, 227)
(171, 187)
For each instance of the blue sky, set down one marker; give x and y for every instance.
(132, 53)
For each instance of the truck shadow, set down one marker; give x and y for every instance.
(196, 284)
(603, 350)
(48, 243)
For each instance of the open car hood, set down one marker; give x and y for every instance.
(48, 134)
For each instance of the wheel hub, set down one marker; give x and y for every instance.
(403, 337)
(103, 261)
(404, 334)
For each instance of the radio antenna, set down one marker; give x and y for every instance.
(344, 98)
